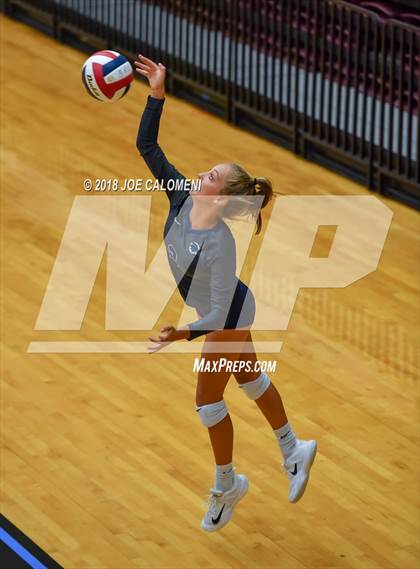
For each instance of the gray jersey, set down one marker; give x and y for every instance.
(202, 261)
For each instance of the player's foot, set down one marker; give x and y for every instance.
(221, 504)
(297, 466)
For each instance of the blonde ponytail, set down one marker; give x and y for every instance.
(264, 188)
(240, 183)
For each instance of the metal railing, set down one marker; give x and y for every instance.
(325, 78)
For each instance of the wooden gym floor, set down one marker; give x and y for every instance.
(104, 462)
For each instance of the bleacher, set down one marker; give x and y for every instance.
(333, 80)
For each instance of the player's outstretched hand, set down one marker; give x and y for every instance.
(167, 335)
(155, 73)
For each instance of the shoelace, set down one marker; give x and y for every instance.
(211, 501)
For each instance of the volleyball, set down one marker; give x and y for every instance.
(107, 75)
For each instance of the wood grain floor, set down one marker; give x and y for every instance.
(104, 463)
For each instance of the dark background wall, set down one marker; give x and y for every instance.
(334, 81)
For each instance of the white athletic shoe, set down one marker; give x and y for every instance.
(221, 504)
(297, 467)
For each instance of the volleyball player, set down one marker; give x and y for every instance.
(201, 254)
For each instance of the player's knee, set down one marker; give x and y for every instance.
(254, 389)
(212, 413)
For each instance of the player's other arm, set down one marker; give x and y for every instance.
(222, 285)
(147, 137)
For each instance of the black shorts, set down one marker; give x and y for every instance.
(242, 309)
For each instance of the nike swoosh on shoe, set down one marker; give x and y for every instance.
(294, 471)
(217, 520)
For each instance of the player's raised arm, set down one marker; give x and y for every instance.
(149, 125)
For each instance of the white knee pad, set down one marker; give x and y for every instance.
(212, 413)
(254, 389)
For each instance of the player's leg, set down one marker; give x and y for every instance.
(213, 411)
(229, 487)
(264, 392)
(298, 455)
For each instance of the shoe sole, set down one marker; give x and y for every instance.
(244, 490)
(307, 472)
